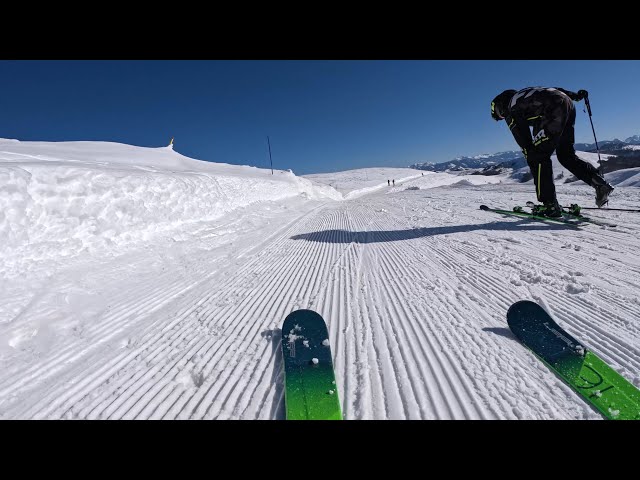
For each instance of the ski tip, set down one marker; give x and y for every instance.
(519, 310)
(484, 207)
(522, 303)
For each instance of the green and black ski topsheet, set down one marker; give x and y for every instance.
(604, 388)
(525, 215)
(574, 212)
(310, 386)
(567, 218)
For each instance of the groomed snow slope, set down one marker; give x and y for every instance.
(414, 283)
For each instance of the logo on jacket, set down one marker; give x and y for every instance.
(539, 137)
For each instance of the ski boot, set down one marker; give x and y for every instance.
(603, 190)
(549, 209)
(602, 194)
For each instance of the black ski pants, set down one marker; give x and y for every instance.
(555, 130)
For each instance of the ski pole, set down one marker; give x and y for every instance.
(588, 105)
(270, 159)
(616, 209)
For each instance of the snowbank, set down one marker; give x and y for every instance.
(58, 199)
(629, 177)
(560, 174)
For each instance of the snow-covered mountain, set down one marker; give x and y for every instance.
(491, 164)
(477, 161)
(605, 145)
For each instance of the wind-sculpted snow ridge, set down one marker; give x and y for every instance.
(60, 199)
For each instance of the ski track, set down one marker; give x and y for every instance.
(414, 287)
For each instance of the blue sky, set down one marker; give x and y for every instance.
(320, 115)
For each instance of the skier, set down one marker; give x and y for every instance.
(394, 182)
(551, 113)
(389, 182)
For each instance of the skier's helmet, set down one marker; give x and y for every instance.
(500, 104)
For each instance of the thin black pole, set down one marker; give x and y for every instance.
(269, 143)
(616, 209)
(586, 102)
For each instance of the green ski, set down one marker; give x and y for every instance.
(518, 212)
(599, 384)
(574, 212)
(310, 386)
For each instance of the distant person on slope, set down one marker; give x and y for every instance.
(551, 113)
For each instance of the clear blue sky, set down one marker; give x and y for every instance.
(320, 115)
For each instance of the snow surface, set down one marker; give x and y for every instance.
(629, 177)
(138, 283)
(365, 180)
(356, 183)
(61, 199)
(561, 174)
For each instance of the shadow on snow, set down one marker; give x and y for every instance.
(377, 236)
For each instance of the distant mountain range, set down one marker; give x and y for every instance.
(625, 157)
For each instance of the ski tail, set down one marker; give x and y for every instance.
(310, 385)
(587, 374)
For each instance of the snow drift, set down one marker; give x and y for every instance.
(65, 197)
(629, 177)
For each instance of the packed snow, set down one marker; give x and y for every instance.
(356, 183)
(365, 180)
(561, 174)
(629, 177)
(61, 199)
(136, 283)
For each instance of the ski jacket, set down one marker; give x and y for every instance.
(541, 108)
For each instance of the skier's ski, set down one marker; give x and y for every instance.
(604, 388)
(574, 212)
(310, 386)
(523, 214)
